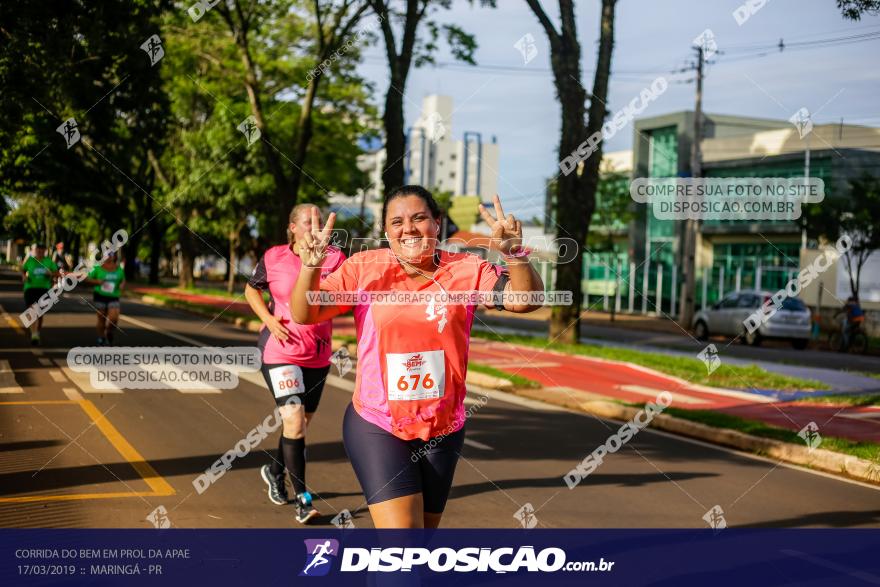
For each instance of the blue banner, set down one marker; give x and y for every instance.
(466, 557)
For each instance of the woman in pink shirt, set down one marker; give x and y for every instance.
(296, 358)
(405, 427)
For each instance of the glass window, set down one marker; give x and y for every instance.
(730, 301)
(748, 301)
(793, 305)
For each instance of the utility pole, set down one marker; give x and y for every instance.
(806, 182)
(689, 236)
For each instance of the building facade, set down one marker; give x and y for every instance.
(738, 254)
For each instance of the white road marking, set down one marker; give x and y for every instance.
(652, 393)
(7, 379)
(860, 415)
(174, 335)
(45, 362)
(505, 363)
(341, 383)
(81, 379)
(476, 444)
(57, 376)
(72, 394)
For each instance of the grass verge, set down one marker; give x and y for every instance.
(201, 309)
(517, 380)
(863, 450)
(693, 370)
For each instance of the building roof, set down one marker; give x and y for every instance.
(787, 140)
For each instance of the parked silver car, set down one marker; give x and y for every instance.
(791, 321)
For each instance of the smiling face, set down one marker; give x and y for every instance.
(412, 230)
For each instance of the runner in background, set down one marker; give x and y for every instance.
(295, 358)
(37, 274)
(404, 429)
(59, 259)
(108, 279)
(853, 318)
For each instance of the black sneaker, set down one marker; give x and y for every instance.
(277, 488)
(305, 511)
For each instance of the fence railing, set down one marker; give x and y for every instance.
(654, 288)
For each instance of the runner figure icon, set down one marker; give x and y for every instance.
(320, 550)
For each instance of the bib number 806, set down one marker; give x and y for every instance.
(403, 384)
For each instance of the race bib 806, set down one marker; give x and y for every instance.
(286, 380)
(413, 376)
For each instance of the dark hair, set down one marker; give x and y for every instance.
(412, 190)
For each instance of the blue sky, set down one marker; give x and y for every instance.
(653, 38)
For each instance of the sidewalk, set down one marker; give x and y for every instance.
(592, 378)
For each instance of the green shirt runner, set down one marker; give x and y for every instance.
(39, 273)
(110, 280)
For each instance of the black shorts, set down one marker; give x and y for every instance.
(104, 303)
(32, 294)
(308, 394)
(389, 467)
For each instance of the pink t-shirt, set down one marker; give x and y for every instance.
(412, 359)
(308, 345)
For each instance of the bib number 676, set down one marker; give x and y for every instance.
(403, 384)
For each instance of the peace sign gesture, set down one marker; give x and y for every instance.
(313, 247)
(506, 231)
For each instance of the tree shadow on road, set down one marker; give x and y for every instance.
(627, 480)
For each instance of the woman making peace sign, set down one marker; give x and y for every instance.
(405, 427)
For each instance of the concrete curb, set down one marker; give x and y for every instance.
(823, 460)
(820, 459)
(490, 381)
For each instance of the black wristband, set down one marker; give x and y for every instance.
(498, 291)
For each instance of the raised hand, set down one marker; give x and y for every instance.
(506, 231)
(313, 247)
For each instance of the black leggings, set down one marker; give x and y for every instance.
(389, 467)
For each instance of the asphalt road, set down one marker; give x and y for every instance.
(72, 457)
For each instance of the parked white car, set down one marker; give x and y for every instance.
(727, 317)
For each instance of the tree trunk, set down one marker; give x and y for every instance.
(131, 250)
(303, 137)
(395, 139)
(284, 199)
(576, 191)
(156, 235)
(232, 266)
(187, 256)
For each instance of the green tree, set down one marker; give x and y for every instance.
(576, 191)
(81, 61)
(854, 9)
(403, 50)
(854, 214)
(215, 183)
(266, 35)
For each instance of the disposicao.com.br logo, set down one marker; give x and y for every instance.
(321, 552)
